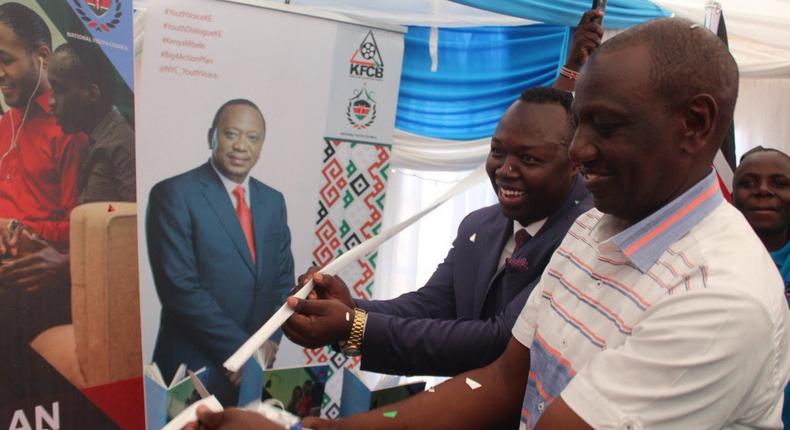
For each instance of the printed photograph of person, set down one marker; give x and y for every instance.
(300, 389)
(63, 145)
(219, 247)
(39, 164)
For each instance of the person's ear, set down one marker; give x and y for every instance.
(698, 121)
(94, 93)
(42, 54)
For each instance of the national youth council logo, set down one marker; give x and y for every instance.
(361, 110)
(366, 60)
(101, 15)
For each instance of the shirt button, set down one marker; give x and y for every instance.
(629, 423)
(541, 406)
(564, 343)
(8, 177)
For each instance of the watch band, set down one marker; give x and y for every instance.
(353, 346)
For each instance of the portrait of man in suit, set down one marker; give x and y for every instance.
(220, 252)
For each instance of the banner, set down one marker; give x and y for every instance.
(296, 70)
(70, 350)
(364, 91)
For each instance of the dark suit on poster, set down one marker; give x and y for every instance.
(461, 319)
(213, 295)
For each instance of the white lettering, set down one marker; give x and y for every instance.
(53, 420)
(19, 421)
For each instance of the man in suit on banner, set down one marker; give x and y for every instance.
(461, 319)
(219, 247)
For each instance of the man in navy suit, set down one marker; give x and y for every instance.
(220, 251)
(461, 319)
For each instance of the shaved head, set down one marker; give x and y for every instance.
(685, 59)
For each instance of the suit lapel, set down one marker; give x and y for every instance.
(218, 199)
(495, 237)
(551, 232)
(261, 217)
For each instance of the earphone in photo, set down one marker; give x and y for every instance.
(214, 142)
(17, 131)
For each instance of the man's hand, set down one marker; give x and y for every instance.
(318, 322)
(321, 424)
(231, 419)
(328, 287)
(43, 267)
(269, 353)
(586, 38)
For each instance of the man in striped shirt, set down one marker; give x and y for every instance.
(661, 308)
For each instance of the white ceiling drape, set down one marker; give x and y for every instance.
(758, 32)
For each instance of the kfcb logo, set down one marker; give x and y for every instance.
(101, 15)
(366, 62)
(361, 110)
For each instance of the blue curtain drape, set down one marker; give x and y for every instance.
(619, 13)
(481, 71)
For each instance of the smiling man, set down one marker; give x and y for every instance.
(762, 192)
(661, 309)
(461, 319)
(38, 162)
(220, 251)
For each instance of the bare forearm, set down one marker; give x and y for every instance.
(454, 404)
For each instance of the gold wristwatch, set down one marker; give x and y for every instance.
(353, 346)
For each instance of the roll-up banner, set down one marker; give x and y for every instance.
(70, 348)
(295, 106)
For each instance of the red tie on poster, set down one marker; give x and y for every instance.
(245, 218)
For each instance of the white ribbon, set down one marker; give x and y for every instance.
(237, 360)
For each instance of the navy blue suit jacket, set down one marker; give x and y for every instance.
(440, 329)
(213, 295)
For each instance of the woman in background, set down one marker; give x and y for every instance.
(761, 191)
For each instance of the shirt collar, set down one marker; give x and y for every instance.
(42, 101)
(644, 242)
(231, 185)
(532, 228)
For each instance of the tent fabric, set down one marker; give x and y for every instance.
(481, 71)
(423, 13)
(417, 152)
(758, 32)
(619, 13)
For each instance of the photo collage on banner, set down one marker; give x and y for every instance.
(70, 351)
(247, 116)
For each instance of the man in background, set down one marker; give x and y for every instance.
(82, 100)
(761, 191)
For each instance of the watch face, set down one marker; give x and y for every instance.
(352, 351)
